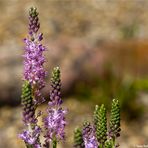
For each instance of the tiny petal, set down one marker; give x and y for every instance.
(40, 37)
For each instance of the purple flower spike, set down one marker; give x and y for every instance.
(34, 75)
(89, 138)
(33, 57)
(55, 120)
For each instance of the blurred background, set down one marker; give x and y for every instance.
(102, 49)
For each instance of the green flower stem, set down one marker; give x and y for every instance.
(113, 141)
(54, 143)
(29, 146)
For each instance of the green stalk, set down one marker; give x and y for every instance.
(54, 143)
(114, 142)
(29, 146)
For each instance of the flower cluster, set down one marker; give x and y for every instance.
(34, 60)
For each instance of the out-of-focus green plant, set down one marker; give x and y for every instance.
(129, 31)
(142, 84)
(78, 138)
(99, 89)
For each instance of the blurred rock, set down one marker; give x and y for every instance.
(80, 39)
(10, 73)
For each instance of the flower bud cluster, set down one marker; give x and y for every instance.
(78, 138)
(34, 24)
(28, 104)
(114, 126)
(100, 122)
(97, 135)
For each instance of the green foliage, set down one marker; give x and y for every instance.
(129, 31)
(100, 122)
(78, 139)
(99, 90)
(142, 84)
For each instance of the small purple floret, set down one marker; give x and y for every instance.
(90, 141)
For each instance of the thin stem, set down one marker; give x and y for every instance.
(29, 146)
(54, 143)
(114, 141)
(100, 146)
